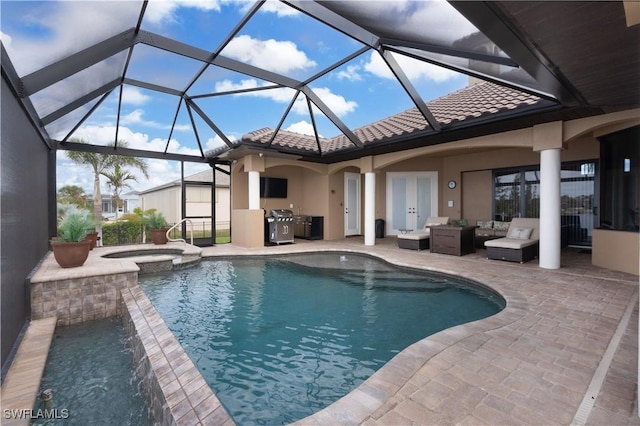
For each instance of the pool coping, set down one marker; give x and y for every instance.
(21, 386)
(177, 392)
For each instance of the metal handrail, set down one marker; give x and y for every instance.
(176, 225)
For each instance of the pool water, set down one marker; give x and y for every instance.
(278, 339)
(91, 372)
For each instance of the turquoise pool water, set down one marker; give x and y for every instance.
(278, 339)
(91, 372)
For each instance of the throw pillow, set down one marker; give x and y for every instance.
(520, 233)
(501, 226)
(485, 224)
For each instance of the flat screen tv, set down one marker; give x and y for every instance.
(273, 187)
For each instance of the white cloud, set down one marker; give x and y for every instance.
(217, 142)
(279, 8)
(67, 27)
(337, 103)
(135, 117)
(410, 17)
(163, 11)
(133, 96)
(351, 73)
(230, 86)
(160, 171)
(103, 135)
(280, 94)
(303, 127)
(273, 55)
(6, 40)
(413, 68)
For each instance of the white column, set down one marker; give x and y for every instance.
(550, 209)
(254, 190)
(369, 209)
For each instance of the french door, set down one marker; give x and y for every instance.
(412, 197)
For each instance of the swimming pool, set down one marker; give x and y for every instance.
(278, 339)
(91, 372)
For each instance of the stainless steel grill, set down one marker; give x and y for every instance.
(281, 226)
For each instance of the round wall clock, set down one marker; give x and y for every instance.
(452, 184)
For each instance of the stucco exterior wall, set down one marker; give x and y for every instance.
(469, 162)
(166, 201)
(616, 250)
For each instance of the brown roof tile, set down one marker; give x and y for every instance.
(482, 99)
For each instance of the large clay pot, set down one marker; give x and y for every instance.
(70, 255)
(159, 236)
(92, 237)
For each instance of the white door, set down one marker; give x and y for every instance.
(412, 197)
(351, 204)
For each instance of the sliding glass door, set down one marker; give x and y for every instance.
(517, 194)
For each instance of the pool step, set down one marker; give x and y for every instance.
(152, 259)
(165, 262)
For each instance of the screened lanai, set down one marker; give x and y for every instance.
(319, 83)
(196, 78)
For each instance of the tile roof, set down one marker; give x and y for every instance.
(479, 100)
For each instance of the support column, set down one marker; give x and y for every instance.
(548, 140)
(254, 190)
(369, 209)
(550, 209)
(254, 165)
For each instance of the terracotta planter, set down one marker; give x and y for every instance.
(70, 255)
(92, 237)
(159, 236)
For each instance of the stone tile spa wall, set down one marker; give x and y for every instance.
(76, 300)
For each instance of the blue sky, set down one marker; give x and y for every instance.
(277, 38)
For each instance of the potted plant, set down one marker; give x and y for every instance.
(92, 237)
(157, 226)
(70, 247)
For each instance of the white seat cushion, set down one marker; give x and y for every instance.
(415, 235)
(510, 243)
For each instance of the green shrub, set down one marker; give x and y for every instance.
(120, 233)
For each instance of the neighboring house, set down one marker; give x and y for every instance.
(167, 199)
(130, 200)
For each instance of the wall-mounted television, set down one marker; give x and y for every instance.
(273, 187)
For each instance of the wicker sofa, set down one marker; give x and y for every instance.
(490, 230)
(419, 240)
(521, 243)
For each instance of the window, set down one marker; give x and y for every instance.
(620, 180)
(577, 202)
(517, 194)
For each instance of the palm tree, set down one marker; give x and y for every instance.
(101, 163)
(117, 180)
